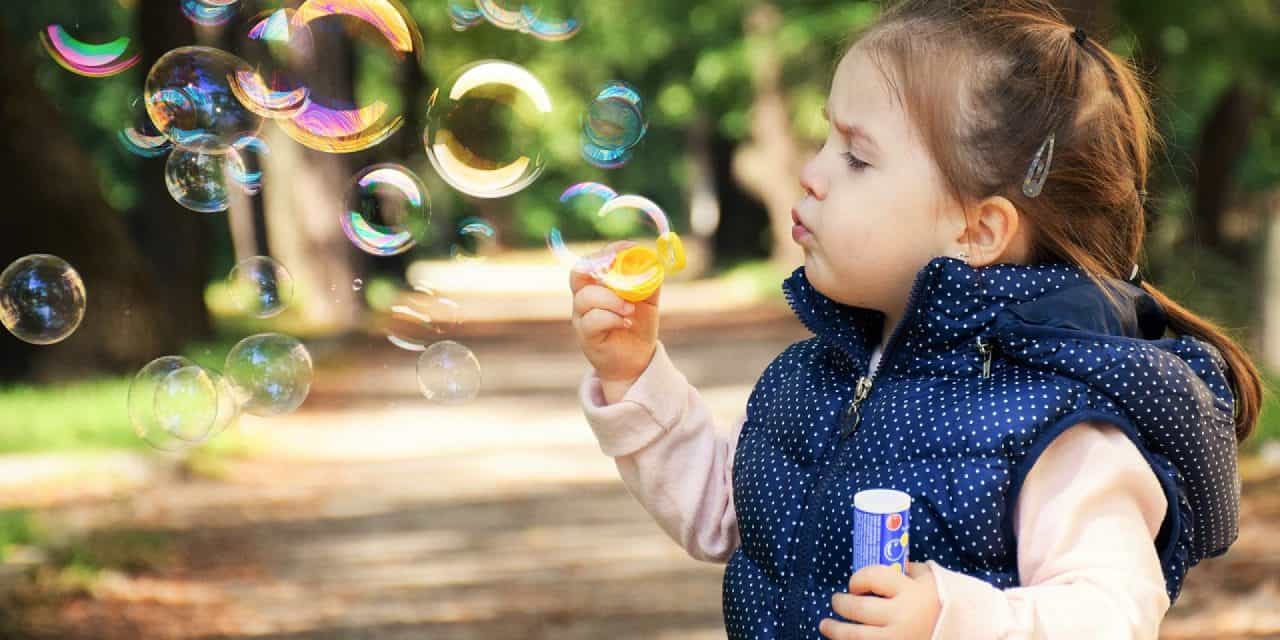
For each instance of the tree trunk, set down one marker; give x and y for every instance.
(1223, 141)
(769, 164)
(54, 205)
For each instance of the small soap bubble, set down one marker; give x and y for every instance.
(419, 318)
(201, 181)
(486, 131)
(448, 373)
(614, 123)
(546, 19)
(42, 299)
(188, 94)
(388, 210)
(475, 239)
(260, 286)
(209, 13)
(141, 137)
(270, 372)
(174, 404)
(92, 57)
(357, 284)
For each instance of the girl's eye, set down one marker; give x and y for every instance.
(854, 162)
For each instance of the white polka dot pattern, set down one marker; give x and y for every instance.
(988, 366)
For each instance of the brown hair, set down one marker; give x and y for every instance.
(986, 82)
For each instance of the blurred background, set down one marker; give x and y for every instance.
(376, 510)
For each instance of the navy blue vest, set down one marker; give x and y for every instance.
(987, 367)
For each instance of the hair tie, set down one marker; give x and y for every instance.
(1079, 35)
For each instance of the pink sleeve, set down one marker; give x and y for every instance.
(1086, 518)
(664, 442)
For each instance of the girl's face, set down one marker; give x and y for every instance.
(875, 210)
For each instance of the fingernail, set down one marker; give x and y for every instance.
(626, 322)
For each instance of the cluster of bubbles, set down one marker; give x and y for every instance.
(175, 404)
(42, 299)
(532, 18)
(614, 123)
(485, 135)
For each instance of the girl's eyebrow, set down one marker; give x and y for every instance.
(849, 130)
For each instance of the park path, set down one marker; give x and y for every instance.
(372, 514)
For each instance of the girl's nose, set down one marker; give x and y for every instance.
(811, 179)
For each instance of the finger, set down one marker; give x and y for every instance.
(598, 297)
(868, 610)
(877, 579)
(598, 321)
(584, 271)
(836, 630)
(918, 570)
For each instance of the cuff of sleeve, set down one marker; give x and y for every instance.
(655, 402)
(971, 608)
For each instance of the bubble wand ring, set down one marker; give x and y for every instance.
(635, 273)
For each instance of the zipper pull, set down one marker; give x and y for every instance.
(986, 349)
(859, 394)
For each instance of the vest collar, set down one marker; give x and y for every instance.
(952, 303)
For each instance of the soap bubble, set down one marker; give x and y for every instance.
(592, 195)
(200, 181)
(174, 403)
(42, 299)
(474, 240)
(614, 123)
(549, 20)
(189, 97)
(209, 13)
(260, 286)
(97, 59)
(545, 20)
(142, 138)
(448, 373)
(270, 372)
(388, 210)
(274, 47)
(336, 124)
(485, 132)
(246, 168)
(421, 317)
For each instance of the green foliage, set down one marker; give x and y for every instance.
(81, 415)
(16, 528)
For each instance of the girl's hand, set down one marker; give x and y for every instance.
(618, 337)
(908, 609)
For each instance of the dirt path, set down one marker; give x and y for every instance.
(375, 515)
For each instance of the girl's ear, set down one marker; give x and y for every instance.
(995, 233)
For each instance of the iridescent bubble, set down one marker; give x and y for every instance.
(545, 20)
(95, 60)
(142, 138)
(189, 97)
(248, 171)
(274, 47)
(260, 286)
(174, 403)
(42, 299)
(333, 123)
(201, 181)
(270, 372)
(551, 21)
(475, 239)
(486, 132)
(448, 373)
(209, 13)
(613, 124)
(576, 195)
(388, 210)
(463, 15)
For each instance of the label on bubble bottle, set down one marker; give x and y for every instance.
(881, 522)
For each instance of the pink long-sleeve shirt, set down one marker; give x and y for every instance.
(1086, 518)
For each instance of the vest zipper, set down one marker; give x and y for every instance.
(986, 349)
(859, 394)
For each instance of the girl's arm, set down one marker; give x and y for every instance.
(664, 442)
(1087, 517)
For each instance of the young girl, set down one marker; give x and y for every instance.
(971, 229)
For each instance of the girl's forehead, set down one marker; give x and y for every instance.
(860, 92)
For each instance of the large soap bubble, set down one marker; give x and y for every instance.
(270, 372)
(486, 131)
(449, 373)
(42, 299)
(189, 97)
(613, 124)
(202, 181)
